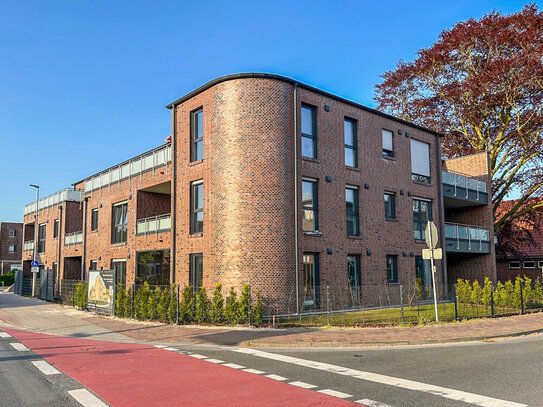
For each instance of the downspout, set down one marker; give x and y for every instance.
(84, 260)
(296, 242)
(60, 238)
(441, 209)
(173, 253)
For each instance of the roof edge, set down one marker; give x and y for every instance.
(247, 75)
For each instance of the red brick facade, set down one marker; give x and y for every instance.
(11, 245)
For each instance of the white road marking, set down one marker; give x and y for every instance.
(45, 367)
(4, 335)
(215, 360)
(19, 346)
(159, 346)
(254, 371)
(197, 356)
(276, 377)
(169, 348)
(372, 403)
(86, 398)
(234, 366)
(303, 385)
(334, 393)
(445, 392)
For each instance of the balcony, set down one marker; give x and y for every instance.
(466, 239)
(461, 190)
(73, 238)
(54, 199)
(154, 224)
(28, 245)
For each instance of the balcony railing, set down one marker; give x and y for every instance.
(28, 245)
(73, 238)
(154, 224)
(463, 181)
(135, 166)
(66, 194)
(465, 238)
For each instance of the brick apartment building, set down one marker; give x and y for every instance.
(268, 181)
(11, 247)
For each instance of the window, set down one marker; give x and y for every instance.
(351, 153)
(514, 265)
(196, 271)
(420, 161)
(55, 229)
(351, 200)
(309, 131)
(311, 279)
(390, 205)
(12, 232)
(422, 213)
(392, 269)
(388, 146)
(93, 265)
(119, 265)
(355, 280)
(309, 205)
(423, 274)
(197, 135)
(529, 264)
(94, 219)
(540, 264)
(41, 238)
(153, 267)
(120, 221)
(11, 248)
(197, 207)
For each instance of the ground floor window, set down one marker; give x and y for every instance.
(196, 271)
(153, 267)
(311, 280)
(423, 275)
(392, 269)
(355, 280)
(119, 265)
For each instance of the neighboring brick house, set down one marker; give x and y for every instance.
(11, 247)
(274, 183)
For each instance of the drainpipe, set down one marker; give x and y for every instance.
(84, 259)
(174, 194)
(441, 209)
(60, 238)
(296, 242)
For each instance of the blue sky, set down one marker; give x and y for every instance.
(84, 83)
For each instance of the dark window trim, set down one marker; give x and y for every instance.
(511, 267)
(314, 127)
(394, 268)
(192, 271)
(419, 221)
(194, 139)
(356, 212)
(114, 226)
(41, 248)
(354, 146)
(94, 224)
(55, 228)
(193, 210)
(386, 152)
(393, 195)
(315, 198)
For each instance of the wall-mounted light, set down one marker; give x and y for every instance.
(328, 178)
(368, 252)
(329, 251)
(327, 108)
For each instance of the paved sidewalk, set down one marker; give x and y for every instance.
(59, 320)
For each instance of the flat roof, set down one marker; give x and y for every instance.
(246, 75)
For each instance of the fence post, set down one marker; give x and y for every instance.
(521, 297)
(492, 301)
(455, 304)
(132, 301)
(249, 308)
(177, 311)
(401, 302)
(328, 304)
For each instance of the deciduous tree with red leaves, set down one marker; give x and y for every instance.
(481, 85)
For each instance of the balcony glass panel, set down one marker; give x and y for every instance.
(450, 231)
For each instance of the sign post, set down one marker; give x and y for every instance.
(432, 253)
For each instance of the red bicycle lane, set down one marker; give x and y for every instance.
(127, 374)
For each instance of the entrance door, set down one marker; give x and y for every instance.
(311, 280)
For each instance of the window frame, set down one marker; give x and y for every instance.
(193, 274)
(540, 264)
(11, 248)
(112, 262)
(118, 228)
(354, 135)
(41, 249)
(393, 205)
(314, 208)
(194, 211)
(419, 221)
(11, 233)
(55, 228)
(524, 266)
(394, 270)
(386, 152)
(511, 265)
(312, 137)
(355, 212)
(357, 288)
(314, 302)
(94, 219)
(194, 138)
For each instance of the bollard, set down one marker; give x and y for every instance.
(401, 302)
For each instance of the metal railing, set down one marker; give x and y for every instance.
(73, 238)
(135, 166)
(465, 232)
(67, 194)
(28, 245)
(463, 181)
(154, 224)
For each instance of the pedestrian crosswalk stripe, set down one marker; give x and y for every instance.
(372, 403)
(276, 377)
(215, 360)
(254, 371)
(19, 346)
(197, 356)
(234, 366)
(86, 398)
(334, 393)
(303, 385)
(4, 335)
(45, 367)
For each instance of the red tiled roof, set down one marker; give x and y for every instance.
(534, 247)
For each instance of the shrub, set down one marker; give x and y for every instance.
(508, 294)
(141, 301)
(121, 309)
(216, 312)
(152, 303)
(187, 308)
(257, 311)
(499, 294)
(163, 305)
(476, 293)
(463, 291)
(8, 279)
(244, 304)
(172, 307)
(231, 310)
(486, 293)
(202, 306)
(538, 291)
(80, 295)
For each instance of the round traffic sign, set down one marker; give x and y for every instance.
(35, 263)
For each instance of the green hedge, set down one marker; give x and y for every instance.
(80, 295)
(8, 279)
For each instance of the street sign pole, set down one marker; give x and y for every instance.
(431, 241)
(34, 257)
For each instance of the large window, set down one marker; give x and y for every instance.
(41, 238)
(196, 271)
(388, 144)
(420, 161)
(311, 280)
(120, 222)
(55, 229)
(153, 267)
(94, 219)
(197, 135)
(351, 153)
(423, 274)
(309, 131)
(197, 207)
(422, 213)
(355, 280)
(119, 265)
(309, 205)
(351, 200)
(390, 205)
(392, 269)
